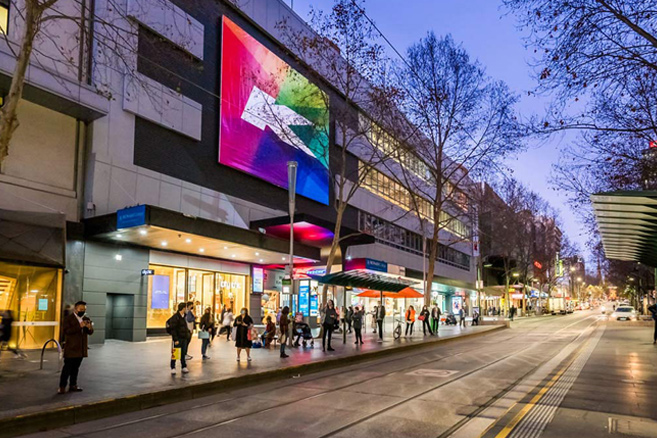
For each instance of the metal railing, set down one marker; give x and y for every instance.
(43, 350)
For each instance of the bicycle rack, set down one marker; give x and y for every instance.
(43, 350)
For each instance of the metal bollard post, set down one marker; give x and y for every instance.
(43, 350)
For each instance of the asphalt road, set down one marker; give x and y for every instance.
(557, 376)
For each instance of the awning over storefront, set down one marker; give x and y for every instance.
(33, 237)
(627, 221)
(167, 230)
(365, 280)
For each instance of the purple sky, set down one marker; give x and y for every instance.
(491, 37)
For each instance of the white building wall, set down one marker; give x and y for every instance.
(114, 182)
(40, 172)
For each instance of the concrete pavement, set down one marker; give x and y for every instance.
(456, 389)
(123, 371)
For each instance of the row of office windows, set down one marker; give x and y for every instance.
(390, 190)
(390, 147)
(393, 235)
(4, 16)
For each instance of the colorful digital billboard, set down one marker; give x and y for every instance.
(271, 114)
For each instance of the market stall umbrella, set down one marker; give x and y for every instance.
(408, 292)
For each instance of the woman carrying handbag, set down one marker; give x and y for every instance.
(206, 327)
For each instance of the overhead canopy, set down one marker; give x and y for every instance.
(627, 221)
(364, 280)
(33, 237)
(407, 292)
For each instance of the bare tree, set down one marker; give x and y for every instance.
(466, 125)
(341, 50)
(66, 38)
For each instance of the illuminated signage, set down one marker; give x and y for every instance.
(258, 280)
(271, 114)
(538, 265)
(304, 297)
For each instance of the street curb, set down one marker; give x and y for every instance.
(68, 416)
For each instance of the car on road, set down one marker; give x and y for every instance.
(624, 313)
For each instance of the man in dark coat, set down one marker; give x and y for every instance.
(178, 329)
(76, 327)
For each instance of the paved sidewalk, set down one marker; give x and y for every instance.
(122, 369)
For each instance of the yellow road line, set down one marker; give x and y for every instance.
(524, 411)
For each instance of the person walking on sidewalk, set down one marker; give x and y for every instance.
(653, 311)
(190, 318)
(424, 317)
(374, 314)
(461, 317)
(77, 328)
(357, 323)
(512, 312)
(350, 317)
(380, 317)
(227, 322)
(435, 319)
(410, 319)
(206, 326)
(5, 333)
(180, 335)
(328, 324)
(244, 324)
(284, 327)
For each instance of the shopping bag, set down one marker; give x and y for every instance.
(233, 334)
(421, 318)
(175, 353)
(204, 334)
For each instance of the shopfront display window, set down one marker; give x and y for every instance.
(33, 295)
(170, 286)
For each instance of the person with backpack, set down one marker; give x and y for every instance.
(180, 335)
(653, 311)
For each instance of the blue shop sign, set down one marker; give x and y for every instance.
(376, 265)
(131, 217)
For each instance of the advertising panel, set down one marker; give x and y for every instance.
(160, 292)
(304, 297)
(271, 114)
(258, 280)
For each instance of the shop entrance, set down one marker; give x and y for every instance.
(170, 285)
(119, 316)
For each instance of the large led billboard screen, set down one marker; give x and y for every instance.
(271, 114)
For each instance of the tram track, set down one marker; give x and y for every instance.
(324, 375)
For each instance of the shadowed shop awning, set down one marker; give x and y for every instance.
(364, 280)
(627, 221)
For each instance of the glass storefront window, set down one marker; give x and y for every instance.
(166, 288)
(170, 286)
(231, 290)
(33, 295)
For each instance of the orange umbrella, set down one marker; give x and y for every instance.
(407, 292)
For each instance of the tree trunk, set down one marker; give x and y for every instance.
(335, 244)
(433, 251)
(8, 113)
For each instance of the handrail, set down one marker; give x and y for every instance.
(43, 350)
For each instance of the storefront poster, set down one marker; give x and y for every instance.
(160, 292)
(457, 303)
(258, 280)
(304, 298)
(43, 304)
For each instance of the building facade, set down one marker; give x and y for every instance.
(160, 181)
